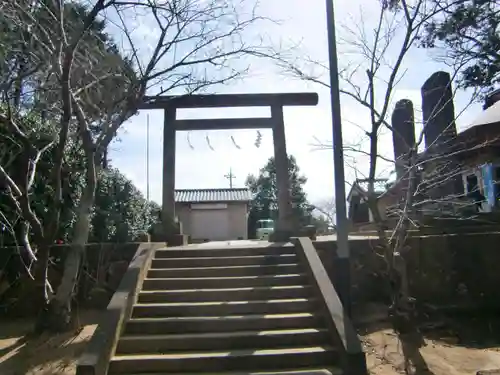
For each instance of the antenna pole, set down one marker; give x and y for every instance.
(230, 177)
(147, 158)
(344, 276)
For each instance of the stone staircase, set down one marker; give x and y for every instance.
(231, 310)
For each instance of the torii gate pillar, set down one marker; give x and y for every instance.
(286, 226)
(168, 216)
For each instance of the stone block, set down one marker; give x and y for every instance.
(308, 231)
(177, 240)
(280, 235)
(163, 231)
(143, 237)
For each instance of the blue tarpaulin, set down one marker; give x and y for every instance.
(489, 187)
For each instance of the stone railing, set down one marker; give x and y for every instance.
(345, 336)
(100, 349)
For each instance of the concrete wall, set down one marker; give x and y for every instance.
(456, 270)
(238, 217)
(383, 204)
(183, 212)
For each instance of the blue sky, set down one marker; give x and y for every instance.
(304, 21)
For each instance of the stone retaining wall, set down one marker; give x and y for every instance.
(456, 270)
(460, 270)
(103, 268)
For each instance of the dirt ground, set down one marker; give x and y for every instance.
(386, 355)
(453, 348)
(45, 355)
(445, 344)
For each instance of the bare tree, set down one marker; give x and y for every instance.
(191, 45)
(24, 64)
(38, 68)
(371, 81)
(326, 207)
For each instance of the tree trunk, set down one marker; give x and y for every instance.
(402, 308)
(60, 306)
(43, 289)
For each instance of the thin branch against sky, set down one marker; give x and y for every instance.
(296, 27)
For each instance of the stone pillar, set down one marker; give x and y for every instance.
(403, 138)
(438, 110)
(403, 135)
(168, 188)
(171, 230)
(440, 133)
(285, 227)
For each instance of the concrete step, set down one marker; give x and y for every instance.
(228, 294)
(272, 249)
(223, 261)
(236, 360)
(252, 270)
(221, 282)
(224, 308)
(308, 371)
(230, 323)
(222, 341)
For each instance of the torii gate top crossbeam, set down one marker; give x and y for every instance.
(230, 100)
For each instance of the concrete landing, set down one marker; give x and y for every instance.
(233, 243)
(263, 243)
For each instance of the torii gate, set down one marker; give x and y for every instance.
(286, 226)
